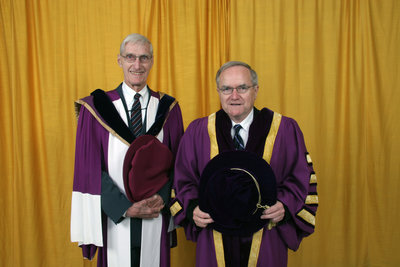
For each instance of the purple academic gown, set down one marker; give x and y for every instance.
(296, 183)
(88, 223)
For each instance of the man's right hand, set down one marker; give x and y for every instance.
(147, 208)
(200, 218)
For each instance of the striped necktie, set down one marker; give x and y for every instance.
(136, 116)
(237, 139)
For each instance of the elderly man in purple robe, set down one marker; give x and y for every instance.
(125, 232)
(276, 139)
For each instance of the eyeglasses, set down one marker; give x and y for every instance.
(241, 89)
(131, 58)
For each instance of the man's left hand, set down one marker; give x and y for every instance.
(275, 213)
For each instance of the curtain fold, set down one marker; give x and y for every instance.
(331, 65)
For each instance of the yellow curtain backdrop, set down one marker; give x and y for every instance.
(332, 65)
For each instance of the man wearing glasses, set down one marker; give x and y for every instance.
(275, 138)
(125, 230)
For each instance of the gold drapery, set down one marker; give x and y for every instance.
(332, 65)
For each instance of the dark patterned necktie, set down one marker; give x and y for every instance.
(136, 116)
(237, 139)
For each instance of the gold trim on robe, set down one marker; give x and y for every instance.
(312, 200)
(307, 216)
(219, 248)
(91, 110)
(313, 178)
(213, 136)
(270, 141)
(255, 248)
(175, 208)
(308, 158)
(80, 103)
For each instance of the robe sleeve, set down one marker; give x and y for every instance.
(192, 156)
(296, 183)
(173, 132)
(165, 194)
(86, 226)
(113, 202)
(173, 129)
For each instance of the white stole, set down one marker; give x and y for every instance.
(118, 236)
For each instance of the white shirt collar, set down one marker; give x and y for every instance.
(246, 122)
(244, 132)
(129, 95)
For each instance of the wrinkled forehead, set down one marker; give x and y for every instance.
(137, 48)
(235, 76)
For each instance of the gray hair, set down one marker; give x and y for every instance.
(229, 64)
(135, 38)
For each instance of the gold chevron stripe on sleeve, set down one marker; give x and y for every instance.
(313, 178)
(175, 208)
(308, 158)
(307, 216)
(312, 200)
(172, 193)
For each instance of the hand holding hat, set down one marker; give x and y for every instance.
(200, 218)
(274, 214)
(235, 188)
(146, 208)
